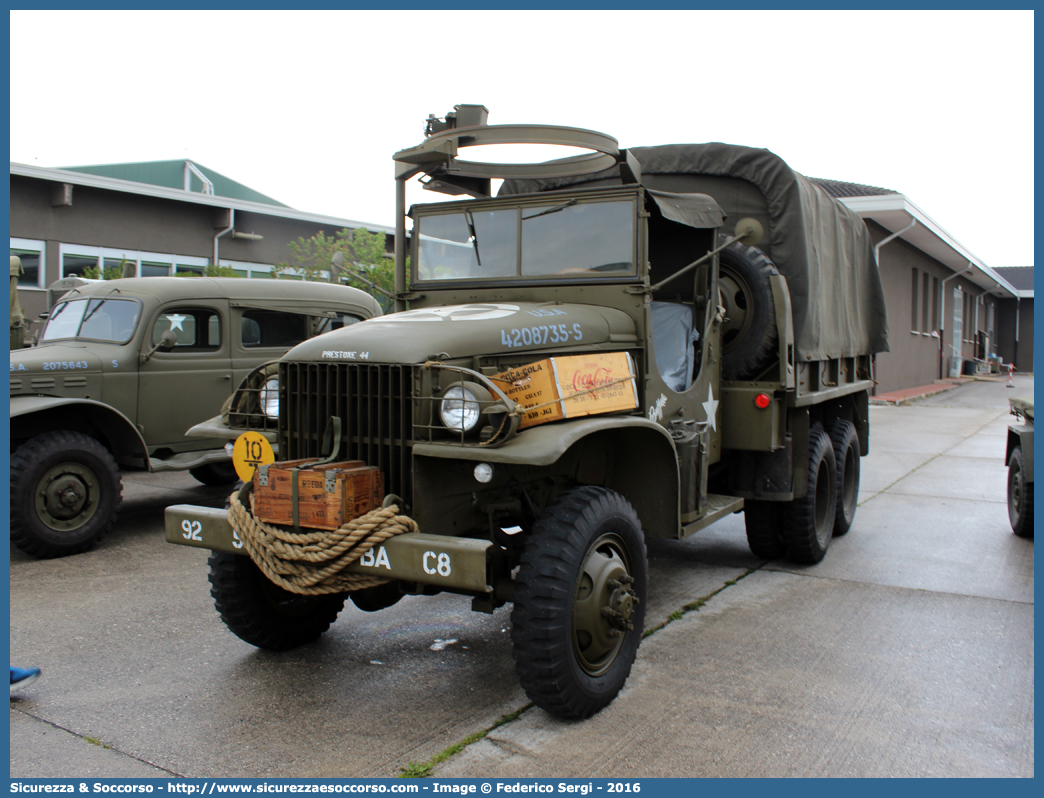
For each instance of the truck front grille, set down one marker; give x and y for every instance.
(374, 403)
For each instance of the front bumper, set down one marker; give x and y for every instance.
(459, 564)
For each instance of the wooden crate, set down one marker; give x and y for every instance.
(327, 495)
(563, 386)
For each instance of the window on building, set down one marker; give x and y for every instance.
(31, 259)
(150, 269)
(196, 329)
(76, 265)
(913, 302)
(926, 304)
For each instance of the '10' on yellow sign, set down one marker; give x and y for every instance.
(251, 450)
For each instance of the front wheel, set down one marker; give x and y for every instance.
(1020, 496)
(262, 613)
(65, 494)
(580, 602)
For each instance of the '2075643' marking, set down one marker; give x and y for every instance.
(543, 334)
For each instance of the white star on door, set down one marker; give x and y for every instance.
(710, 407)
(176, 320)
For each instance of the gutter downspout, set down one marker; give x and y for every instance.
(942, 314)
(877, 260)
(1015, 356)
(231, 225)
(883, 241)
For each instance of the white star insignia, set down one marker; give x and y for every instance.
(175, 320)
(710, 407)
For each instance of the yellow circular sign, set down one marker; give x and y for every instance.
(250, 450)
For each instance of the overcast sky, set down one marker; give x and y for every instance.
(308, 107)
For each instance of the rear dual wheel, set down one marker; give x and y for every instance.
(803, 528)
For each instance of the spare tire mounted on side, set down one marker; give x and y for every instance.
(748, 333)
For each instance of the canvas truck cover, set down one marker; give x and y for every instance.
(821, 247)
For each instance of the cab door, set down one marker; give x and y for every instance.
(188, 384)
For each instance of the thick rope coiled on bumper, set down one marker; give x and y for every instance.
(312, 563)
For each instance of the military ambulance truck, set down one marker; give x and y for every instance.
(122, 369)
(597, 355)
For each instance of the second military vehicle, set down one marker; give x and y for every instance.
(583, 361)
(122, 369)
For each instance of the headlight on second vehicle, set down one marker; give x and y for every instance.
(270, 398)
(459, 409)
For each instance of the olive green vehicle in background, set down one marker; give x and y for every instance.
(122, 369)
(1019, 457)
(753, 369)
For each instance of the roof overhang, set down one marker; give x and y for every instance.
(180, 195)
(894, 212)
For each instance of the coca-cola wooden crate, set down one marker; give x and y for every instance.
(327, 495)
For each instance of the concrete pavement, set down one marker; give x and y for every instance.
(907, 652)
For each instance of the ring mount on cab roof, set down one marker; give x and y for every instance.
(465, 126)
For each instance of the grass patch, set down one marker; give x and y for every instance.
(420, 770)
(693, 606)
(96, 741)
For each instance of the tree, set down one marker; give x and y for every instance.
(363, 251)
(110, 273)
(210, 270)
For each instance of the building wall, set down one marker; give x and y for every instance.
(167, 230)
(915, 325)
(1023, 357)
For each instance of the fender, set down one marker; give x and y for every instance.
(650, 480)
(39, 414)
(1021, 435)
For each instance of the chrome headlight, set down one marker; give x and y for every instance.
(459, 409)
(270, 398)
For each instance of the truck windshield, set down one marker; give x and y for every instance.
(96, 319)
(561, 240)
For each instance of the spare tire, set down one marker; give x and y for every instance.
(748, 333)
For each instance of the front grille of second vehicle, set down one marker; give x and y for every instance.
(373, 403)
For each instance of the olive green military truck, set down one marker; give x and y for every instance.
(683, 375)
(122, 369)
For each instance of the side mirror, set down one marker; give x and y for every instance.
(166, 343)
(749, 231)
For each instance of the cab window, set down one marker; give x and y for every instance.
(196, 329)
(273, 328)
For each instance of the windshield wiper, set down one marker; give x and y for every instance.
(550, 210)
(92, 311)
(474, 236)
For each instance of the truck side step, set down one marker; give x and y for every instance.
(718, 507)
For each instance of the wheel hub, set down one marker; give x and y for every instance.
(604, 606)
(620, 607)
(63, 496)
